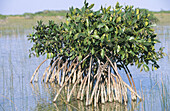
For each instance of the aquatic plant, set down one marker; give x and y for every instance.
(88, 49)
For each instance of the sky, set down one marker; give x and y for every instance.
(12, 7)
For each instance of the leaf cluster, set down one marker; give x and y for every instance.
(124, 34)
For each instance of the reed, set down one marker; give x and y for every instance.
(164, 94)
(158, 92)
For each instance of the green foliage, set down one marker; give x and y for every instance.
(151, 16)
(28, 15)
(51, 13)
(124, 34)
(44, 13)
(162, 11)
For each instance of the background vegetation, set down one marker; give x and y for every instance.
(27, 20)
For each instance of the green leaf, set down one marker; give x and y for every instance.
(89, 42)
(147, 43)
(91, 14)
(119, 11)
(101, 25)
(83, 64)
(66, 53)
(146, 68)
(91, 6)
(108, 8)
(80, 57)
(92, 51)
(118, 19)
(137, 11)
(136, 63)
(52, 55)
(153, 25)
(116, 30)
(156, 41)
(30, 55)
(122, 56)
(37, 55)
(132, 53)
(48, 55)
(96, 36)
(117, 5)
(93, 40)
(106, 28)
(146, 23)
(139, 65)
(85, 41)
(131, 38)
(78, 10)
(145, 48)
(72, 57)
(87, 21)
(137, 17)
(102, 37)
(102, 53)
(76, 36)
(118, 49)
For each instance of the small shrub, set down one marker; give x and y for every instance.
(90, 46)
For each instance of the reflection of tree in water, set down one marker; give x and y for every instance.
(42, 104)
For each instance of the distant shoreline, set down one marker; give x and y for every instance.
(63, 13)
(28, 20)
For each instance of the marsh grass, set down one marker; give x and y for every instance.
(165, 95)
(157, 97)
(164, 18)
(14, 25)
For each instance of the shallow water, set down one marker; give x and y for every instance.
(16, 69)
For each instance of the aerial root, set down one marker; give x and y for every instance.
(96, 83)
(36, 72)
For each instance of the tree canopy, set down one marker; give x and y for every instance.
(124, 33)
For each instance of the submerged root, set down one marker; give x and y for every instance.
(96, 83)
